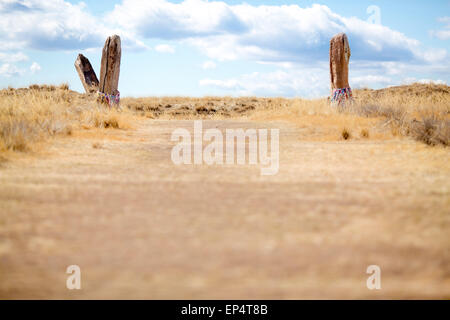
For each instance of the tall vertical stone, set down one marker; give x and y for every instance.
(339, 61)
(110, 66)
(87, 74)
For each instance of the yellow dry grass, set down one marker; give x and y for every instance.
(31, 115)
(418, 110)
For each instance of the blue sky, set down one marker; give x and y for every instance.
(197, 47)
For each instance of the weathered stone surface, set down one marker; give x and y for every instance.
(86, 73)
(110, 66)
(339, 60)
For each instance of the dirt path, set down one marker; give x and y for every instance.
(140, 227)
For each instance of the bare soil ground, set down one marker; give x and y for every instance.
(140, 227)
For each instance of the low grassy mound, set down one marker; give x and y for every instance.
(29, 115)
(421, 111)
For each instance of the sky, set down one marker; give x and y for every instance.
(232, 48)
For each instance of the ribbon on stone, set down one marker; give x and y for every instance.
(341, 95)
(110, 99)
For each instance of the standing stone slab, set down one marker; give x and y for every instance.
(110, 66)
(339, 61)
(87, 74)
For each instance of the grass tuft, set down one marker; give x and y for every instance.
(431, 130)
(346, 135)
(364, 133)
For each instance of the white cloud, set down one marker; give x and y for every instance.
(261, 33)
(280, 64)
(443, 34)
(48, 24)
(283, 33)
(10, 70)
(166, 20)
(35, 67)
(313, 81)
(370, 81)
(209, 65)
(434, 55)
(55, 25)
(230, 84)
(410, 80)
(13, 57)
(428, 81)
(165, 48)
(308, 82)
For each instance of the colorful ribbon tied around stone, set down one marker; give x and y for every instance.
(341, 95)
(110, 99)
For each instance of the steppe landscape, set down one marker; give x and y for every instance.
(368, 184)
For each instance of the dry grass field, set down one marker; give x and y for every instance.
(367, 184)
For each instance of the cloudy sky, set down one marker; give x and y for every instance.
(199, 47)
